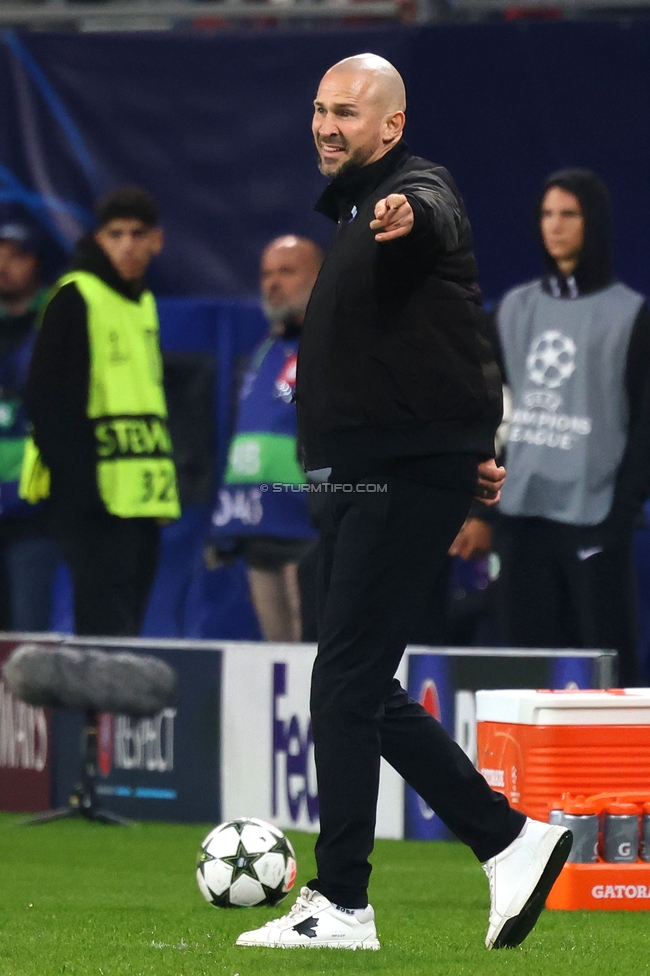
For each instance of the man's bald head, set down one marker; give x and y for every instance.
(383, 77)
(304, 250)
(358, 113)
(288, 270)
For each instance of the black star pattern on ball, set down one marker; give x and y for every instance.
(238, 825)
(273, 896)
(308, 927)
(280, 847)
(222, 900)
(242, 862)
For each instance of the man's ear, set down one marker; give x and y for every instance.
(157, 241)
(394, 126)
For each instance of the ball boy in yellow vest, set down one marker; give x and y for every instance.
(101, 451)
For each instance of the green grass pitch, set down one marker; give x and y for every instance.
(78, 899)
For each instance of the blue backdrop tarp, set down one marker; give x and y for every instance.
(218, 127)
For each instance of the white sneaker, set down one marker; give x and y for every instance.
(314, 922)
(520, 879)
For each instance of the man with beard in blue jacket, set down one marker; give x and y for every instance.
(263, 513)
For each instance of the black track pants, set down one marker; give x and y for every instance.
(558, 589)
(112, 562)
(379, 553)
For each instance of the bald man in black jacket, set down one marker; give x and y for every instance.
(398, 393)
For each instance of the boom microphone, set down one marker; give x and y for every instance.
(70, 677)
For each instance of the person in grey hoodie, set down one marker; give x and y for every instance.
(574, 347)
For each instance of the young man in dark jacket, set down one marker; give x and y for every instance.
(96, 401)
(397, 391)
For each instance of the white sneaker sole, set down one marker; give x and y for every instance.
(339, 944)
(550, 857)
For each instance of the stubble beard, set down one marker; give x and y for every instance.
(355, 160)
(286, 314)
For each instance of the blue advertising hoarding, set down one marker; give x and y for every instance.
(236, 740)
(429, 684)
(161, 768)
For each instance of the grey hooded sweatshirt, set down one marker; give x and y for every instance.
(576, 354)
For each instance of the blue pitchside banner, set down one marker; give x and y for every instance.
(161, 768)
(237, 739)
(429, 684)
(218, 127)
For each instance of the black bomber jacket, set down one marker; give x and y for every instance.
(393, 360)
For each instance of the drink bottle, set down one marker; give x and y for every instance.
(582, 820)
(621, 833)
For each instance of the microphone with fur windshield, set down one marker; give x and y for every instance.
(89, 679)
(94, 681)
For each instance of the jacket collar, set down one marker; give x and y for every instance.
(354, 187)
(89, 256)
(571, 286)
(561, 286)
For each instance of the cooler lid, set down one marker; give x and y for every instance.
(628, 706)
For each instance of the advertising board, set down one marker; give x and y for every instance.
(25, 745)
(237, 740)
(160, 768)
(267, 749)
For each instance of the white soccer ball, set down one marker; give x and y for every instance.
(551, 359)
(244, 863)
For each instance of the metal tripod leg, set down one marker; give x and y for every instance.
(63, 813)
(83, 802)
(77, 812)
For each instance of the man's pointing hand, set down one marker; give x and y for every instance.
(393, 217)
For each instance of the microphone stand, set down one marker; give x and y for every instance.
(83, 799)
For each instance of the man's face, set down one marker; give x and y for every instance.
(350, 123)
(562, 225)
(18, 271)
(129, 244)
(287, 276)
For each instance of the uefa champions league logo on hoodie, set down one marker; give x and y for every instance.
(549, 364)
(551, 359)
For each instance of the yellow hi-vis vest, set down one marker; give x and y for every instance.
(136, 476)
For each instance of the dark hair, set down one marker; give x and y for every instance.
(593, 270)
(125, 202)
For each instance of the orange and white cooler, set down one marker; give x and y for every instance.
(537, 746)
